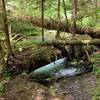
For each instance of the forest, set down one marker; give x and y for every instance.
(49, 49)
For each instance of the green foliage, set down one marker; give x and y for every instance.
(24, 28)
(96, 92)
(2, 89)
(96, 97)
(96, 67)
(89, 21)
(96, 64)
(97, 26)
(29, 43)
(1, 34)
(7, 75)
(33, 8)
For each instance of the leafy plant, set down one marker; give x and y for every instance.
(2, 88)
(96, 65)
(7, 75)
(96, 92)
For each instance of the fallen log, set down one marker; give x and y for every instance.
(95, 42)
(52, 25)
(78, 42)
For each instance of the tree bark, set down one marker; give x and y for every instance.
(79, 42)
(74, 17)
(58, 23)
(52, 25)
(2, 57)
(42, 10)
(5, 22)
(67, 22)
(95, 42)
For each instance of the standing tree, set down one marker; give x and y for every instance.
(42, 10)
(58, 24)
(74, 17)
(96, 6)
(74, 27)
(65, 9)
(7, 37)
(2, 58)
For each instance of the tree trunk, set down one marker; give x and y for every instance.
(73, 42)
(42, 8)
(67, 23)
(52, 25)
(96, 14)
(2, 57)
(58, 24)
(79, 42)
(74, 17)
(7, 37)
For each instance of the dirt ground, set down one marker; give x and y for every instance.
(73, 88)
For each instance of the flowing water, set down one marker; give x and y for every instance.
(66, 72)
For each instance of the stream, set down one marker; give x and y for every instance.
(59, 69)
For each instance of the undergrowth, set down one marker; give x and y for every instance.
(24, 28)
(96, 67)
(2, 88)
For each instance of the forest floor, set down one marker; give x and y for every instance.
(73, 88)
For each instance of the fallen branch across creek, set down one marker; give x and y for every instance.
(78, 42)
(95, 42)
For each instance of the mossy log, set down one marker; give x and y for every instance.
(52, 25)
(74, 42)
(78, 42)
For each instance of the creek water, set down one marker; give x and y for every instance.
(66, 72)
(59, 69)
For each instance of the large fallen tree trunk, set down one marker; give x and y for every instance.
(52, 25)
(78, 42)
(95, 42)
